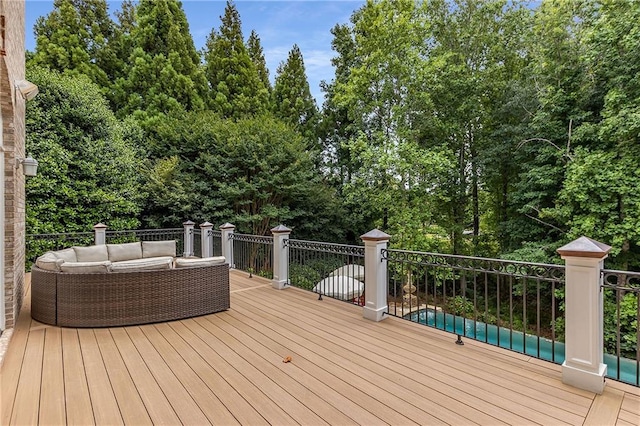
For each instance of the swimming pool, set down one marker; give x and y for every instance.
(517, 341)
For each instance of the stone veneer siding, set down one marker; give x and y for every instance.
(12, 108)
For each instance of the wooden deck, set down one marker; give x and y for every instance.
(228, 368)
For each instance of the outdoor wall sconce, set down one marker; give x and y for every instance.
(29, 165)
(27, 89)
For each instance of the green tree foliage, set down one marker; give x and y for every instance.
(237, 88)
(379, 74)
(336, 128)
(489, 127)
(253, 172)
(554, 76)
(88, 169)
(624, 317)
(164, 74)
(75, 38)
(120, 48)
(169, 201)
(256, 54)
(437, 100)
(599, 196)
(292, 100)
(475, 56)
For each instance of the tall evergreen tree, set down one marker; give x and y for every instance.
(256, 54)
(74, 38)
(122, 45)
(292, 100)
(164, 75)
(237, 90)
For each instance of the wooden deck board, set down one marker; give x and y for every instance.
(76, 390)
(373, 399)
(186, 409)
(227, 368)
(326, 352)
(388, 355)
(271, 365)
(103, 400)
(246, 359)
(52, 405)
(237, 406)
(129, 402)
(267, 408)
(385, 362)
(27, 398)
(202, 396)
(12, 365)
(606, 408)
(329, 388)
(159, 409)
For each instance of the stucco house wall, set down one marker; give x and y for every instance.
(12, 148)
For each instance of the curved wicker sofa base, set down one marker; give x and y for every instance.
(127, 298)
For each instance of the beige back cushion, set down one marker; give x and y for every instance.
(68, 255)
(126, 251)
(159, 248)
(91, 253)
(85, 267)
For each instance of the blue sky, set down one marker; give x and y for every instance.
(279, 24)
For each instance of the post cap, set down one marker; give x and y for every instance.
(206, 225)
(375, 235)
(280, 229)
(228, 226)
(99, 226)
(188, 223)
(584, 247)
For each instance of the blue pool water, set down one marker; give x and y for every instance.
(517, 341)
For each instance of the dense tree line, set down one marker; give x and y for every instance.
(493, 128)
(490, 127)
(208, 137)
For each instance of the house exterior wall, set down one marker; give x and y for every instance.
(12, 147)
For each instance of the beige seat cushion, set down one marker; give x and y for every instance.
(49, 262)
(159, 248)
(182, 262)
(91, 253)
(146, 264)
(85, 267)
(126, 251)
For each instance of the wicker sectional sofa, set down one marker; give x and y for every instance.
(125, 284)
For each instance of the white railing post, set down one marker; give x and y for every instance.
(227, 243)
(583, 366)
(188, 238)
(280, 257)
(206, 239)
(375, 275)
(100, 234)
